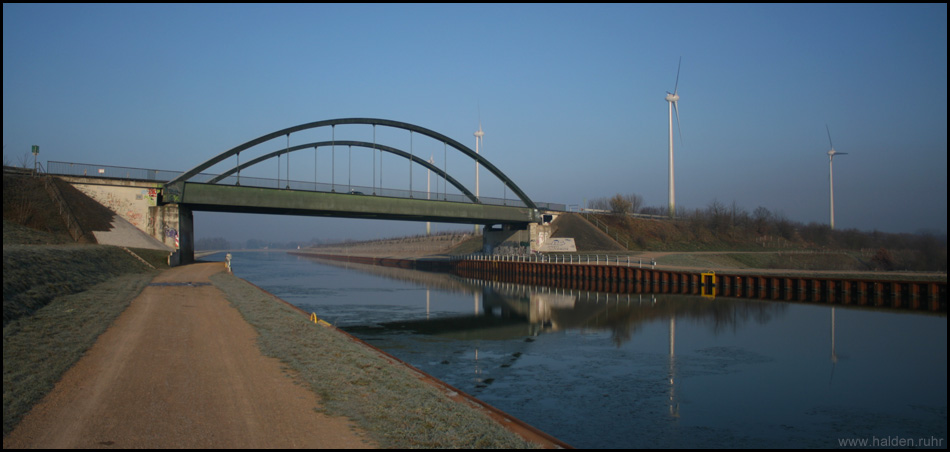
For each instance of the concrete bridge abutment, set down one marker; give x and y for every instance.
(515, 239)
(136, 202)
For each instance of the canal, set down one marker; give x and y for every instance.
(603, 370)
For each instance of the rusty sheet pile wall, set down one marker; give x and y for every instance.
(909, 295)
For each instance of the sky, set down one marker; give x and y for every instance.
(571, 99)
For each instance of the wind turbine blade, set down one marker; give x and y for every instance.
(829, 137)
(678, 122)
(677, 84)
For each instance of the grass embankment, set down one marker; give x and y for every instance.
(35, 275)
(829, 249)
(57, 300)
(58, 296)
(393, 404)
(773, 260)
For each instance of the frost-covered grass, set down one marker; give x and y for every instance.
(38, 349)
(390, 402)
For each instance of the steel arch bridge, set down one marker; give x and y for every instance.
(195, 190)
(174, 188)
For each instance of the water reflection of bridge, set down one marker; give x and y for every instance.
(503, 310)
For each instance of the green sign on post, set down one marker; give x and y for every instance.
(36, 151)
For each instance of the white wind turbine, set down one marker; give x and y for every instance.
(429, 196)
(478, 142)
(831, 176)
(672, 99)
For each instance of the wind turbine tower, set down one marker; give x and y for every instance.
(672, 99)
(429, 196)
(831, 176)
(478, 141)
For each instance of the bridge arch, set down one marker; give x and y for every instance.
(364, 144)
(365, 121)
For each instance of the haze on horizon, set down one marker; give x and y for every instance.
(570, 97)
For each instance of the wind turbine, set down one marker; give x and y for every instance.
(478, 141)
(429, 196)
(831, 176)
(672, 99)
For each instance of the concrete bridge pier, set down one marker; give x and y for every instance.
(186, 238)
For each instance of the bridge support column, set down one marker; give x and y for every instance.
(185, 254)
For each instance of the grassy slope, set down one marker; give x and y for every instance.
(695, 245)
(58, 296)
(33, 275)
(39, 349)
(57, 300)
(397, 408)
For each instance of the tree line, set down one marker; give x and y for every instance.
(733, 223)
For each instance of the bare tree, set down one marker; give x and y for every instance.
(619, 204)
(25, 161)
(599, 204)
(762, 217)
(635, 201)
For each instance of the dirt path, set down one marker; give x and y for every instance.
(180, 368)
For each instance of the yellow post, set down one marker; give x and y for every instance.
(712, 285)
(314, 319)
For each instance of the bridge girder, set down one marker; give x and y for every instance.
(240, 199)
(364, 121)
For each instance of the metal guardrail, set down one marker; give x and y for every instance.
(606, 229)
(152, 175)
(563, 258)
(111, 172)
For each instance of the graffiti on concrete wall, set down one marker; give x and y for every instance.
(563, 245)
(512, 247)
(129, 203)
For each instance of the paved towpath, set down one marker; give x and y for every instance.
(180, 368)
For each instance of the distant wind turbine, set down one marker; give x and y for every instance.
(831, 176)
(429, 196)
(672, 99)
(478, 141)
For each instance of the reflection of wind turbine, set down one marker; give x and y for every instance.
(672, 99)
(834, 355)
(831, 177)
(674, 407)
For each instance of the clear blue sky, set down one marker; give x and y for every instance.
(571, 99)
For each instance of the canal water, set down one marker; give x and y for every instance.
(603, 370)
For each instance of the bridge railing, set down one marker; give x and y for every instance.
(110, 172)
(142, 174)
